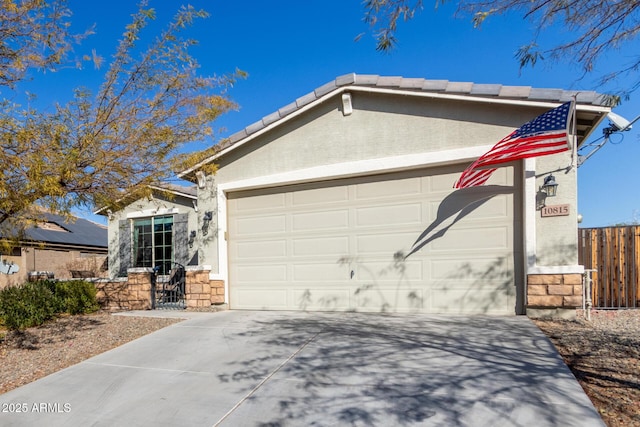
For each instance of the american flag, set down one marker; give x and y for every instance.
(544, 135)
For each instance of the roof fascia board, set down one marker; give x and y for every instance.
(176, 192)
(153, 187)
(475, 98)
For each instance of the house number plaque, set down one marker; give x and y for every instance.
(557, 210)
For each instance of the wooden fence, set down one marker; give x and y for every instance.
(614, 255)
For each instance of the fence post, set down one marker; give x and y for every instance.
(586, 293)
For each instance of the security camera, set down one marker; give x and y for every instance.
(618, 123)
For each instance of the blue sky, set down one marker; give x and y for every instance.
(288, 48)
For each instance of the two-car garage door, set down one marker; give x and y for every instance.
(341, 245)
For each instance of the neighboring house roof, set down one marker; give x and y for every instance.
(588, 118)
(56, 230)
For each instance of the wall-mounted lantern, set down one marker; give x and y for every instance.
(192, 238)
(550, 186)
(202, 179)
(206, 219)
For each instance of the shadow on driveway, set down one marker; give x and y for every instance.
(360, 369)
(247, 368)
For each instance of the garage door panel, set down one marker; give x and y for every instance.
(442, 183)
(382, 299)
(261, 248)
(332, 246)
(384, 190)
(257, 273)
(312, 272)
(387, 216)
(320, 196)
(261, 202)
(259, 225)
(384, 243)
(254, 298)
(322, 299)
(387, 271)
(458, 301)
(321, 246)
(322, 220)
(498, 207)
(475, 269)
(473, 239)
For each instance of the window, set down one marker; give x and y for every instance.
(153, 243)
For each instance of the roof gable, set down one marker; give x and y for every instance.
(592, 104)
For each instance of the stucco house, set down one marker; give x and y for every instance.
(55, 247)
(343, 200)
(154, 231)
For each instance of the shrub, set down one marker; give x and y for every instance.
(76, 297)
(30, 304)
(33, 303)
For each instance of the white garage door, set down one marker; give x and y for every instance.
(343, 245)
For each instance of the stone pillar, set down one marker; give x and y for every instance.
(139, 288)
(554, 291)
(201, 291)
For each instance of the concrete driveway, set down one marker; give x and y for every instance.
(239, 368)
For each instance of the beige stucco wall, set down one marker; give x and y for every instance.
(557, 236)
(207, 244)
(380, 126)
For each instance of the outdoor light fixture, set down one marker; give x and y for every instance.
(206, 219)
(192, 238)
(550, 186)
(202, 179)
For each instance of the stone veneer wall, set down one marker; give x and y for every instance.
(134, 292)
(201, 291)
(554, 290)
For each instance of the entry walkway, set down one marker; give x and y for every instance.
(240, 368)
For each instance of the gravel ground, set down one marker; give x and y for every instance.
(36, 352)
(603, 354)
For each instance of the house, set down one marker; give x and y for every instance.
(56, 247)
(343, 200)
(154, 231)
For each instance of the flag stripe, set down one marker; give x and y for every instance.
(508, 155)
(546, 134)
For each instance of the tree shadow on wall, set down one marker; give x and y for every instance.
(491, 287)
(455, 207)
(371, 295)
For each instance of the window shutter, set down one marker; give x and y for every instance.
(124, 247)
(181, 238)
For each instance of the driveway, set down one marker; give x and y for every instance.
(240, 368)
